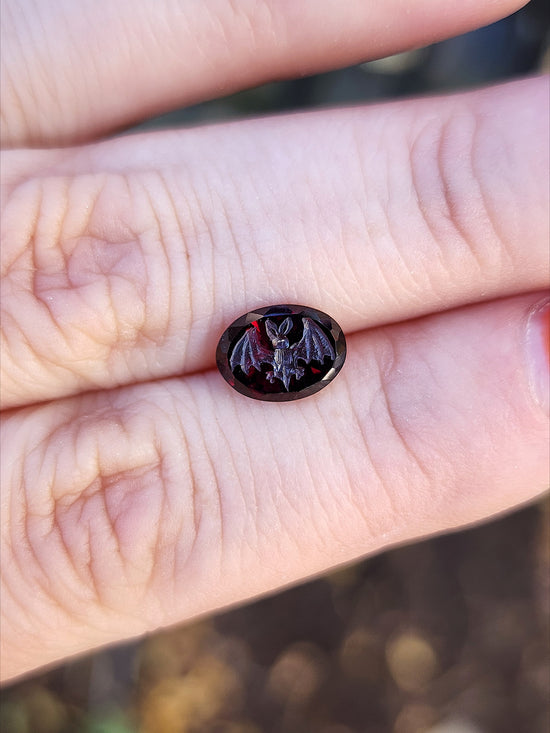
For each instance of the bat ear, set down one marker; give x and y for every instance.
(271, 330)
(285, 326)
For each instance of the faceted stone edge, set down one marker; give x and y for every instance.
(239, 323)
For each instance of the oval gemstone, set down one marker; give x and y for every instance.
(281, 353)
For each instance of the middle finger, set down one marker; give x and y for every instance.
(123, 261)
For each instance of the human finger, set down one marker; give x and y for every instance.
(71, 71)
(125, 261)
(129, 510)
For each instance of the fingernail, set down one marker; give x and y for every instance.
(538, 351)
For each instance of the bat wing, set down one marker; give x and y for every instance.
(249, 352)
(314, 343)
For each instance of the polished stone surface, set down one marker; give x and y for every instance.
(281, 352)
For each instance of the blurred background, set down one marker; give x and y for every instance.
(450, 635)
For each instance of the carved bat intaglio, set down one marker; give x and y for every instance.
(249, 352)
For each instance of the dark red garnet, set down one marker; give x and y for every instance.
(281, 353)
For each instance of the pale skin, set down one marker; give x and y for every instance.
(138, 489)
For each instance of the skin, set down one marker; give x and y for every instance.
(138, 489)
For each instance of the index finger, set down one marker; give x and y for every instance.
(72, 71)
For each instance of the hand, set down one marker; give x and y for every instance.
(138, 489)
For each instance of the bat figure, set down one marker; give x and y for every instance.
(250, 352)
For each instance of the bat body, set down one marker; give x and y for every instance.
(249, 351)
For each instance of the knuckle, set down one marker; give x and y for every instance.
(451, 181)
(422, 469)
(108, 510)
(89, 263)
(400, 466)
(86, 274)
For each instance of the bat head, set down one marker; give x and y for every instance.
(277, 334)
